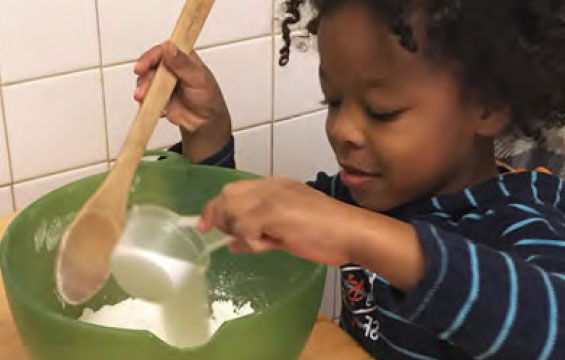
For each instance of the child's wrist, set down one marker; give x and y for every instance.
(206, 141)
(390, 248)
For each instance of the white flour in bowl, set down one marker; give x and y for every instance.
(136, 314)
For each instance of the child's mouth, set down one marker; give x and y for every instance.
(354, 178)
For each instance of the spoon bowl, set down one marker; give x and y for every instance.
(93, 238)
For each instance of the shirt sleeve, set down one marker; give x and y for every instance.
(223, 158)
(505, 303)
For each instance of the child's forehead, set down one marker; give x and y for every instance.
(355, 43)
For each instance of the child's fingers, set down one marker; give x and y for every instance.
(143, 83)
(239, 247)
(189, 69)
(178, 115)
(207, 218)
(263, 245)
(149, 60)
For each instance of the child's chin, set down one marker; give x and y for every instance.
(374, 202)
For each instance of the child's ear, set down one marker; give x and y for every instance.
(492, 121)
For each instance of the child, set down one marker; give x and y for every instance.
(444, 254)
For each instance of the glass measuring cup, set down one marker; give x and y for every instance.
(159, 251)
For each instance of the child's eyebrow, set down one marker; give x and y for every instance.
(375, 82)
(371, 81)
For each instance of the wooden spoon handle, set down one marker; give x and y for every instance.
(186, 32)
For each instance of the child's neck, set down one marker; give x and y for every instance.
(482, 166)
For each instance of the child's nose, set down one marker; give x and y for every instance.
(346, 129)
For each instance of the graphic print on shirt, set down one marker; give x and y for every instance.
(358, 298)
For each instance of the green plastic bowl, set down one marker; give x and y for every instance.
(286, 291)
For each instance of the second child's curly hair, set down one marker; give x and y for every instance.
(508, 52)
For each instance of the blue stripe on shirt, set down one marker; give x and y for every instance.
(558, 193)
(473, 294)
(405, 352)
(540, 242)
(553, 318)
(441, 275)
(521, 224)
(442, 215)
(510, 313)
(559, 276)
(471, 198)
(526, 208)
(533, 257)
(502, 186)
(534, 187)
(472, 217)
(436, 204)
(392, 315)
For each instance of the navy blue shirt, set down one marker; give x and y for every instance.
(494, 284)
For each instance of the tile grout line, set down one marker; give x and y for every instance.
(118, 63)
(103, 86)
(199, 48)
(250, 127)
(51, 75)
(8, 149)
(273, 88)
(305, 113)
(232, 42)
(59, 172)
(122, 62)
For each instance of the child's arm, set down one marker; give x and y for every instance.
(495, 304)
(197, 106)
(506, 305)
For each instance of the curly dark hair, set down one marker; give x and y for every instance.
(509, 52)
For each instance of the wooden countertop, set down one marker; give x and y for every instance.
(10, 343)
(327, 342)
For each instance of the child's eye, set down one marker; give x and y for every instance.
(383, 116)
(332, 104)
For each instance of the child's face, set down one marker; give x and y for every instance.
(397, 123)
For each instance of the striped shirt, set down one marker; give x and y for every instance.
(494, 284)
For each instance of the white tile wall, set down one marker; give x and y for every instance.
(297, 88)
(62, 124)
(230, 21)
(150, 23)
(5, 201)
(338, 299)
(328, 300)
(55, 124)
(301, 148)
(119, 84)
(253, 150)
(244, 71)
(39, 38)
(29, 191)
(129, 27)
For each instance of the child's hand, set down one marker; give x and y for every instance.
(278, 213)
(197, 105)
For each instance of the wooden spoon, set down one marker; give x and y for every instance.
(83, 261)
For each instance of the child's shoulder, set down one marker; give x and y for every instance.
(527, 205)
(539, 190)
(511, 206)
